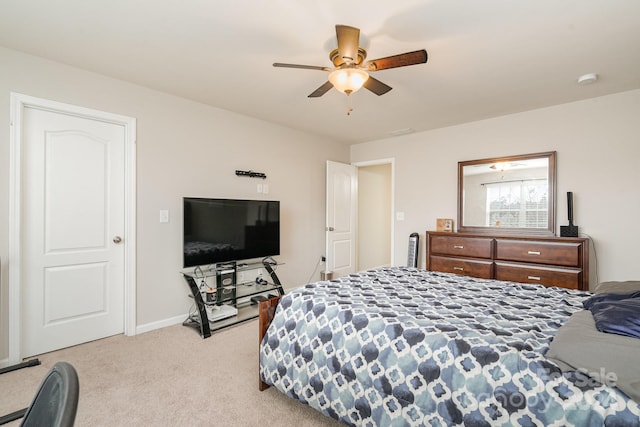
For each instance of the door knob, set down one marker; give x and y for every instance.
(117, 239)
(330, 229)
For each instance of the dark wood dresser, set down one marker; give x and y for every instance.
(550, 261)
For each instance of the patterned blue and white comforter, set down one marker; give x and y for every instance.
(403, 346)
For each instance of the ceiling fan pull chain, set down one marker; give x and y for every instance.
(349, 106)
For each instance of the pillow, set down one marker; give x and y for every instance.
(618, 317)
(616, 313)
(608, 297)
(611, 359)
(617, 287)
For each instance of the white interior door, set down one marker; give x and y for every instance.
(342, 202)
(73, 215)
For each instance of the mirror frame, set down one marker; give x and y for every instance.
(551, 180)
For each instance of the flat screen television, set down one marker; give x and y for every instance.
(222, 230)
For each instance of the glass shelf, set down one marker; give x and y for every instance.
(210, 270)
(237, 295)
(246, 311)
(243, 290)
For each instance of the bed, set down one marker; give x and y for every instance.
(404, 346)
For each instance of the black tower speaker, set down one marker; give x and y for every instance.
(412, 258)
(226, 283)
(569, 230)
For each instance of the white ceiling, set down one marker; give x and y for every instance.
(487, 58)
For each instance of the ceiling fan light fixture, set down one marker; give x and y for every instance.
(501, 166)
(348, 80)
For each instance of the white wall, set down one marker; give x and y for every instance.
(183, 149)
(598, 153)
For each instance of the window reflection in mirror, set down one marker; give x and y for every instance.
(513, 194)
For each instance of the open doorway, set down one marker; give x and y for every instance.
(375, 215)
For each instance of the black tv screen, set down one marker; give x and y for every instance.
(222, 230)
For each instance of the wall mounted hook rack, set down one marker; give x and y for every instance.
(251, 174)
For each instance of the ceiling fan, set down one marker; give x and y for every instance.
(350, 71)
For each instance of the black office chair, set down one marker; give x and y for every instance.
(56, 402)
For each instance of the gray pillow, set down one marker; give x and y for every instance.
(617, 287)
(609, 358)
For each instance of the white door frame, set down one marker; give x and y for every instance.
(377, 162)
(18, 104)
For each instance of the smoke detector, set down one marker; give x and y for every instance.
(586, 79)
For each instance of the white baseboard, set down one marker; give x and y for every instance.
(141, 329)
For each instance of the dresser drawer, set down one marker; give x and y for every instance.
(539, 252)
(570, 278)
(476, 247)
(467, 267)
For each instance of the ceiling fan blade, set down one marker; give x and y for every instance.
(321, 90)
(401, 60)
(376, 86)
(304, 67)
(348, 39)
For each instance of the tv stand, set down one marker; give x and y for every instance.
(234, 301)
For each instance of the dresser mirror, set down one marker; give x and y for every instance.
(508, 195)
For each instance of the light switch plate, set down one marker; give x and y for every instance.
(164, 215)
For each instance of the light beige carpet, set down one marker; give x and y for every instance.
(167, 377)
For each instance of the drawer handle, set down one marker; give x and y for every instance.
(533, 252)
(458, 268)
(458, 246)
(533, 277)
